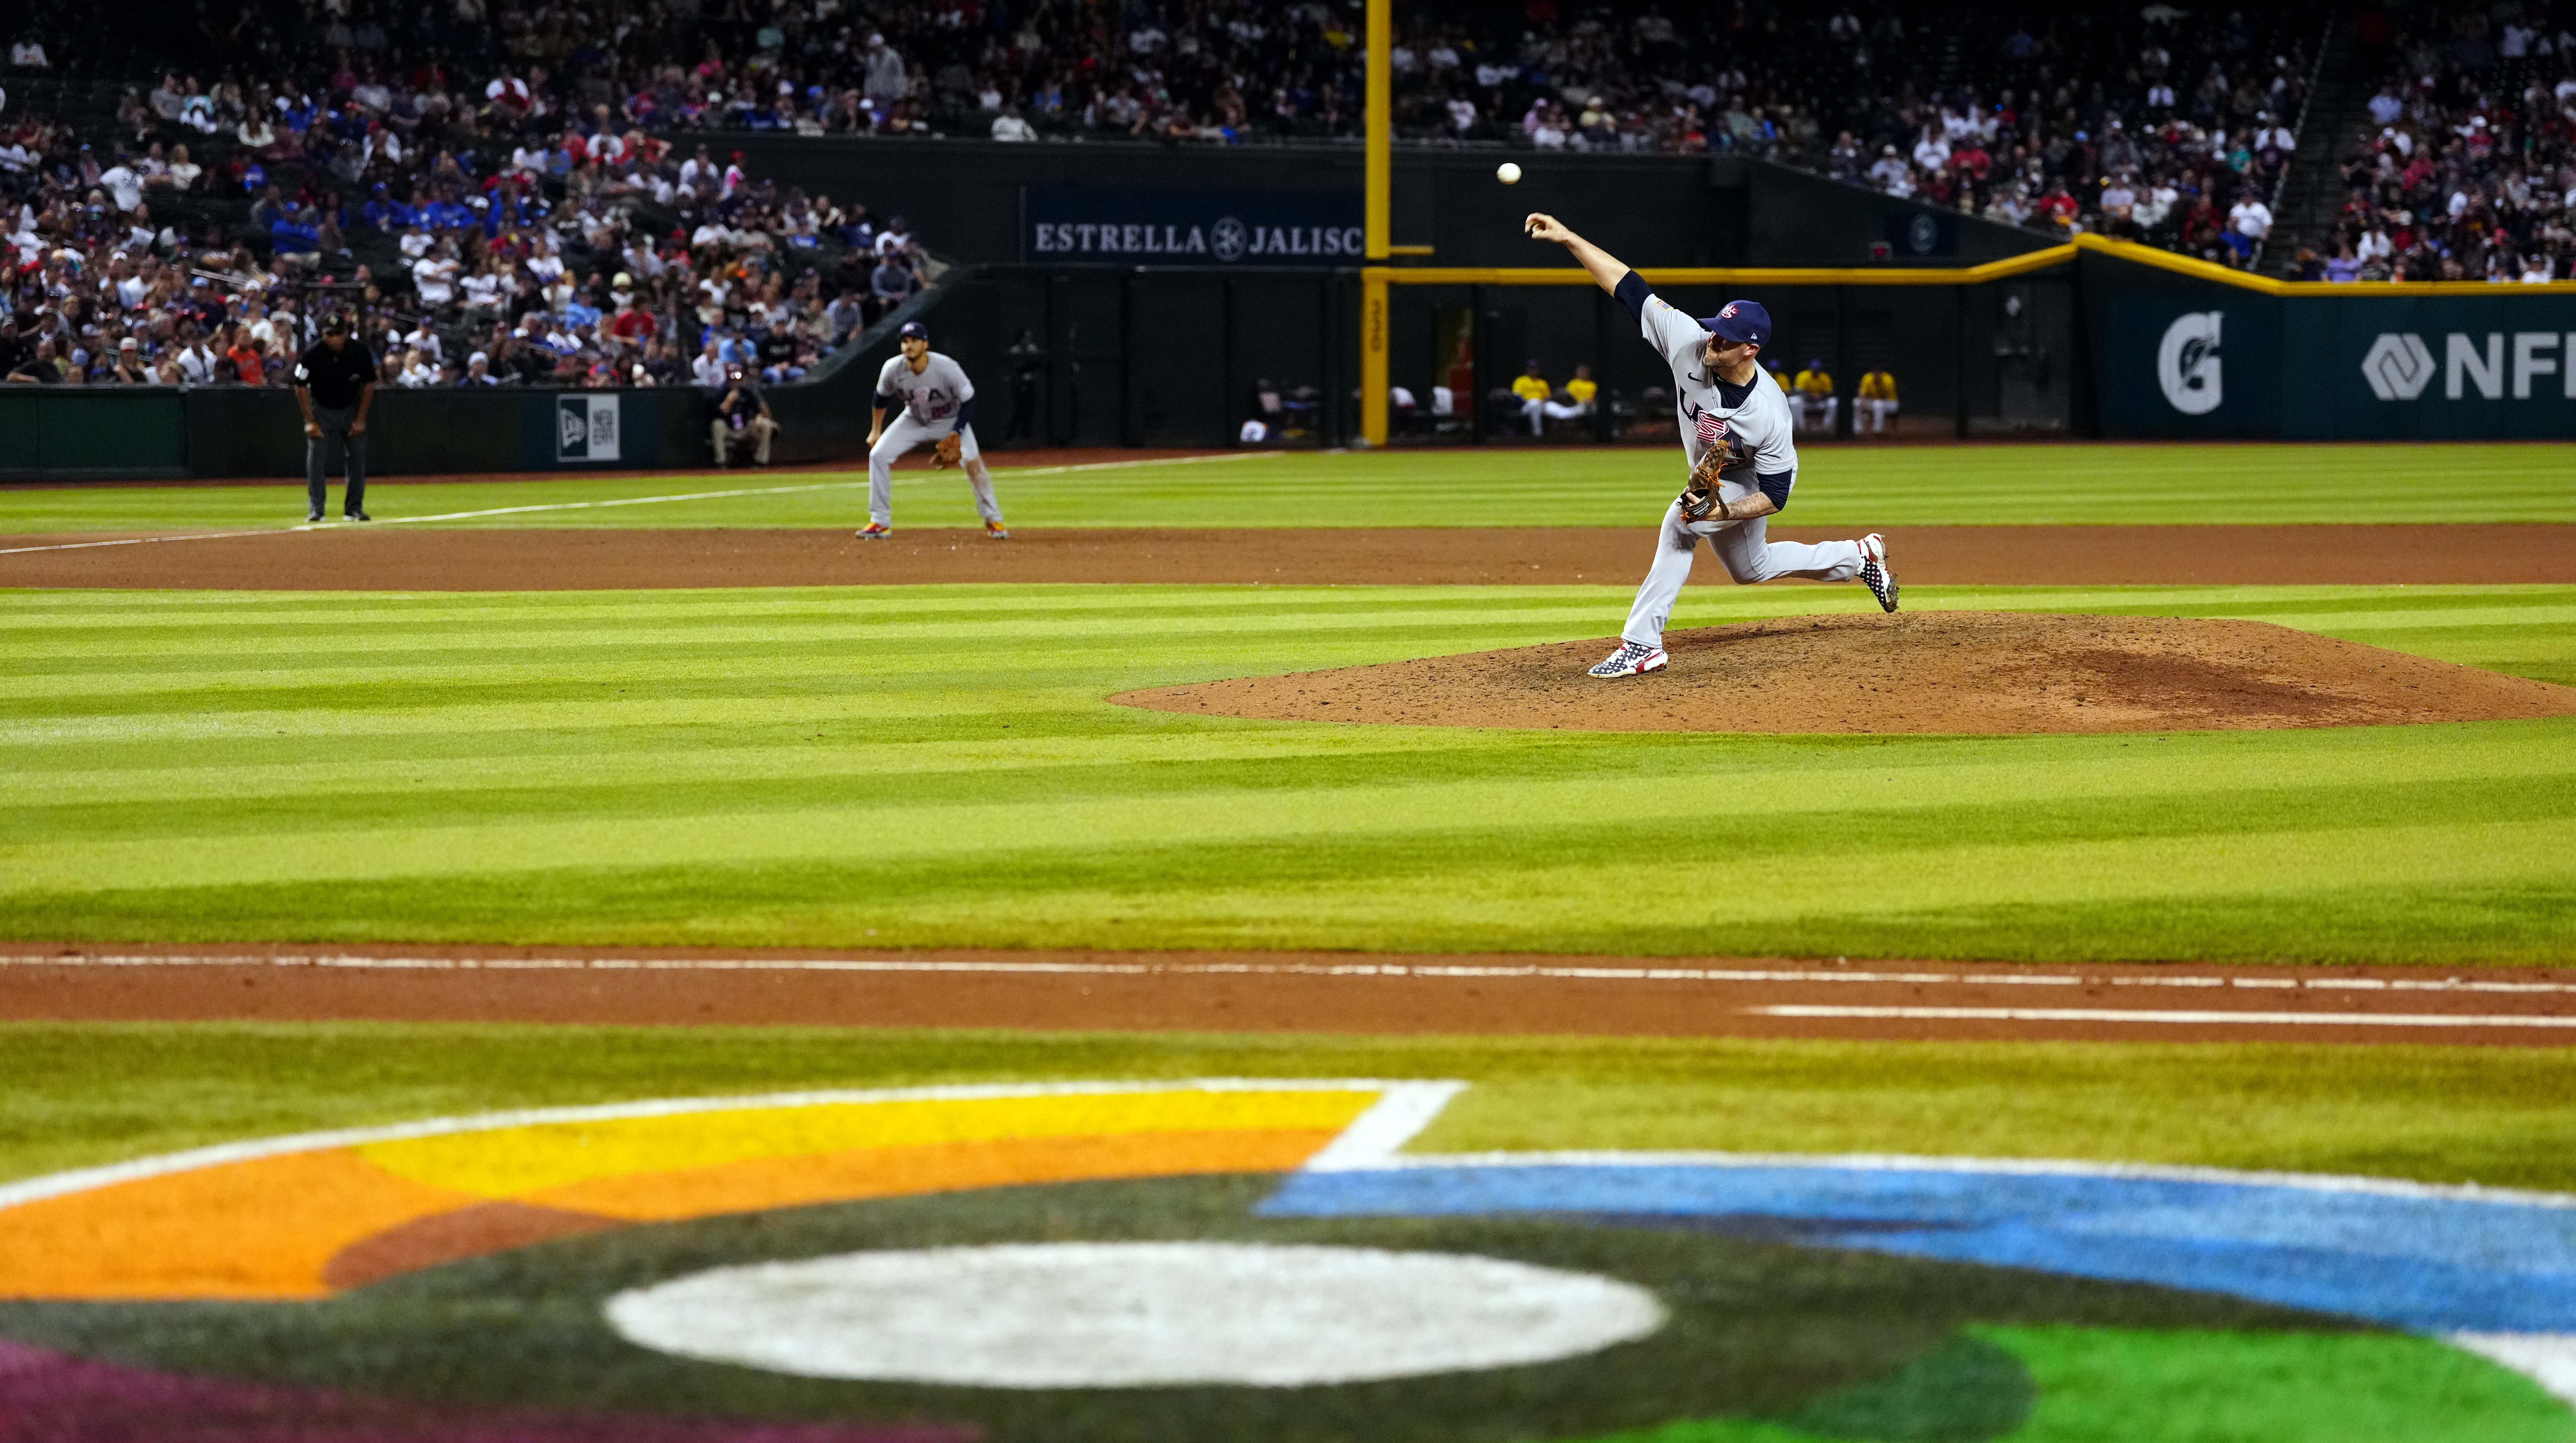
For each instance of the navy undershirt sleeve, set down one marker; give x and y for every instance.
(965, 414)
(885, 402)
(1777, 488)
(1633, 294)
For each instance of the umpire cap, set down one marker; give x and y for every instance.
(1737, 322)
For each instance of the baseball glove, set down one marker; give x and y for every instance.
(1699, 497)
(945, 454)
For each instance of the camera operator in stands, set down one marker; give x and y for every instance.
(742, 418)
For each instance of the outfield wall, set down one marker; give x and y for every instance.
(2114, 342)
(2176, 355)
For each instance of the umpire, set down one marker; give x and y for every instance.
(335, 379)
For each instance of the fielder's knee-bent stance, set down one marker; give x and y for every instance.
(935, 403)
(1735, 430)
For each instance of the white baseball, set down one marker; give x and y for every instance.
(1508, 173)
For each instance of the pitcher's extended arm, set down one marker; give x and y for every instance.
(1606, 269)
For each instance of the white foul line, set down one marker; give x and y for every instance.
(2186, 1019)
(1433, 970)
(617, 501)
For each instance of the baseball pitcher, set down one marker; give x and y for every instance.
(1735, 432)
(933, 402)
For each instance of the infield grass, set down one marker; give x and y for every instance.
(2020, 484)
(933, 766)
(81, 1094)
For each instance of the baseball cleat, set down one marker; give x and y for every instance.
(356, 516)
(875, 531)
(997, 531)
(1633, 658)
(312, 518)
(1874, 573)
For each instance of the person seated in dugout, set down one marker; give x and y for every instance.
(1580, 396)
(1812, 401)
(1877, 402)
(1541, 403)
(742, 418)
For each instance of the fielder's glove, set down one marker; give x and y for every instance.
(945, 454)
(1699, 497)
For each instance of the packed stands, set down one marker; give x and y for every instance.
(2461, 166)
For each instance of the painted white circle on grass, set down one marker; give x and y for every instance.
(1125, 1315)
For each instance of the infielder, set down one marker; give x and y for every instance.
(1735, 430)
(937, 403)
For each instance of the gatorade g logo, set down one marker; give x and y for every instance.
(2187, 363)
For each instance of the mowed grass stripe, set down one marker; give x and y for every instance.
(82, 1094)
(1800, 775)
(786, 783)
(1886, 486)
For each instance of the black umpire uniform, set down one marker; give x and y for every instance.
(335, 379)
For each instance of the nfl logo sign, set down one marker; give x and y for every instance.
(586, 428)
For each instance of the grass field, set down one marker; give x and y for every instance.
(81, 1094)
(881, 767)
(934, 766)
(1954, 486)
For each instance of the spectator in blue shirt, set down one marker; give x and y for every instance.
(445, 214)
(296, 231)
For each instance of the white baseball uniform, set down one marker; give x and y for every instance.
(1752, 422)
(932, 402)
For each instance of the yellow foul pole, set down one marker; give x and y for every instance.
(1380, 183)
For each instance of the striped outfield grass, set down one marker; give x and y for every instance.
(1876, 486)
(84, 1094)
(933, 766)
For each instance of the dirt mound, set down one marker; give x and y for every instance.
(1953, 671)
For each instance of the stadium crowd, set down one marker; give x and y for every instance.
(482, 234)
(516, 192)
(2467, 168)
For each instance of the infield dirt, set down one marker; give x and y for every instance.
(1494, 994)
(391, 557)
(1946, 671)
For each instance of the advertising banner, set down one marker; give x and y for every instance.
(1192, 227)
(2437, 367)
(586, 428)
(2203, 364)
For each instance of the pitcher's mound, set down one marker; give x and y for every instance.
(1942, 671)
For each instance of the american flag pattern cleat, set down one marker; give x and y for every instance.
(1874, 573)
(1633, 658)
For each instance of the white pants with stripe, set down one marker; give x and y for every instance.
(902, 434)
(1741, 547)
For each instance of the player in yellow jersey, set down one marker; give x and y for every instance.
(1532, 387)
(1811, 397)
(1877, 403)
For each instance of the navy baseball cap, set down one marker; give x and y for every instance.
(914, 330)
(1737, 322)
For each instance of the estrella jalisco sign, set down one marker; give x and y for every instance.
(1192, 227)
